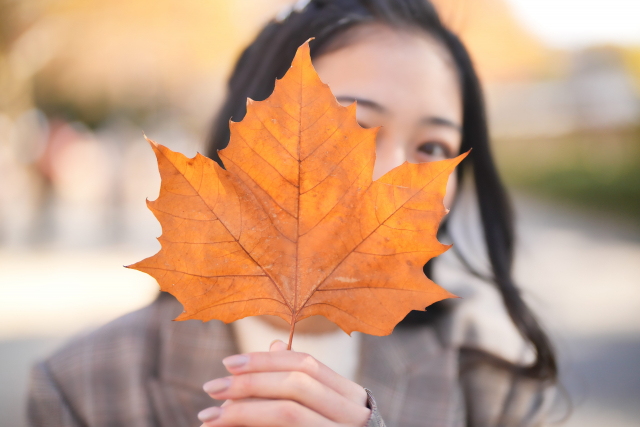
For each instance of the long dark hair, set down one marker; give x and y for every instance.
(270, 56)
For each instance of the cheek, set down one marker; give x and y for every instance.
(452, 187)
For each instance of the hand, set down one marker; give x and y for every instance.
(284, 388)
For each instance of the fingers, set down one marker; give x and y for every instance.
(277, 345)
(231, 402)
(275, 413)
(282, 388)
(289, 385)
(278, 361)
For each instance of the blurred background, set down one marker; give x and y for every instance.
(80, 80)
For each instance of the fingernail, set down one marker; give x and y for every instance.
(216, 386)
(209, 414)
(235, 361)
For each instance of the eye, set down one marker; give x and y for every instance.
(434, 151)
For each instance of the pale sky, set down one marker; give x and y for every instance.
(578, 23)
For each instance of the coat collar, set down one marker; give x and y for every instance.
(413, 376)
(190, 354)
(191, 351)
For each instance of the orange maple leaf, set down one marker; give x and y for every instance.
(295, 226)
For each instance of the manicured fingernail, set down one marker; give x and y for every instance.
(209, 414)
(235, 361)
(216, 386)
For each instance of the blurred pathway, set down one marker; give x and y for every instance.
(47, 296)
(580, 272)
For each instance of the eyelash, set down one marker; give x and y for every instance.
(445, 149)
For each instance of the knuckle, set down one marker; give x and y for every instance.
(289, 412)
(298, 381)
(233, 415)
(245, 384)
(297, 376)
(308, 363)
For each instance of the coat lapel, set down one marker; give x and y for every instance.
(189, 355)
(413, 377)
(412, 374)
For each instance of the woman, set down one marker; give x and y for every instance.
(480, 361)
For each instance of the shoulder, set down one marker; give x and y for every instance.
(123, 344)
(103, 372)
(138, 368)
(497, 395)
(490, 352)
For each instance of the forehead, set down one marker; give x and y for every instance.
(403, 70)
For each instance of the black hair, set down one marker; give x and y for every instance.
(269, 57)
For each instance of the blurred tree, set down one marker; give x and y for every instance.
(501, 47)
(89, 58)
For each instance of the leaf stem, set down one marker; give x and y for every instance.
(293, 325)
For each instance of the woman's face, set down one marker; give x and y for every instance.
(405, 82)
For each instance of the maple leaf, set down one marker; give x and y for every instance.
(295, 226)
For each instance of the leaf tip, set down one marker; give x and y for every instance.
(462, 156)
(150, 141)
(450, 296)
(306, 44)
(183, 316)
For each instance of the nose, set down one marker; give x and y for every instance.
(389, 154)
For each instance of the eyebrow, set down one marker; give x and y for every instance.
(429, 120)
(441, 121)
(364, 102)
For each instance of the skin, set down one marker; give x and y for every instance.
(405, 82)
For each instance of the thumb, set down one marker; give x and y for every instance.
(277, 345)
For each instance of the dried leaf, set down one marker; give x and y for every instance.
(295, 226)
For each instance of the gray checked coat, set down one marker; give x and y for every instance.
(144, 370)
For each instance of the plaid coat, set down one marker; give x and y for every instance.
(144, 370)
